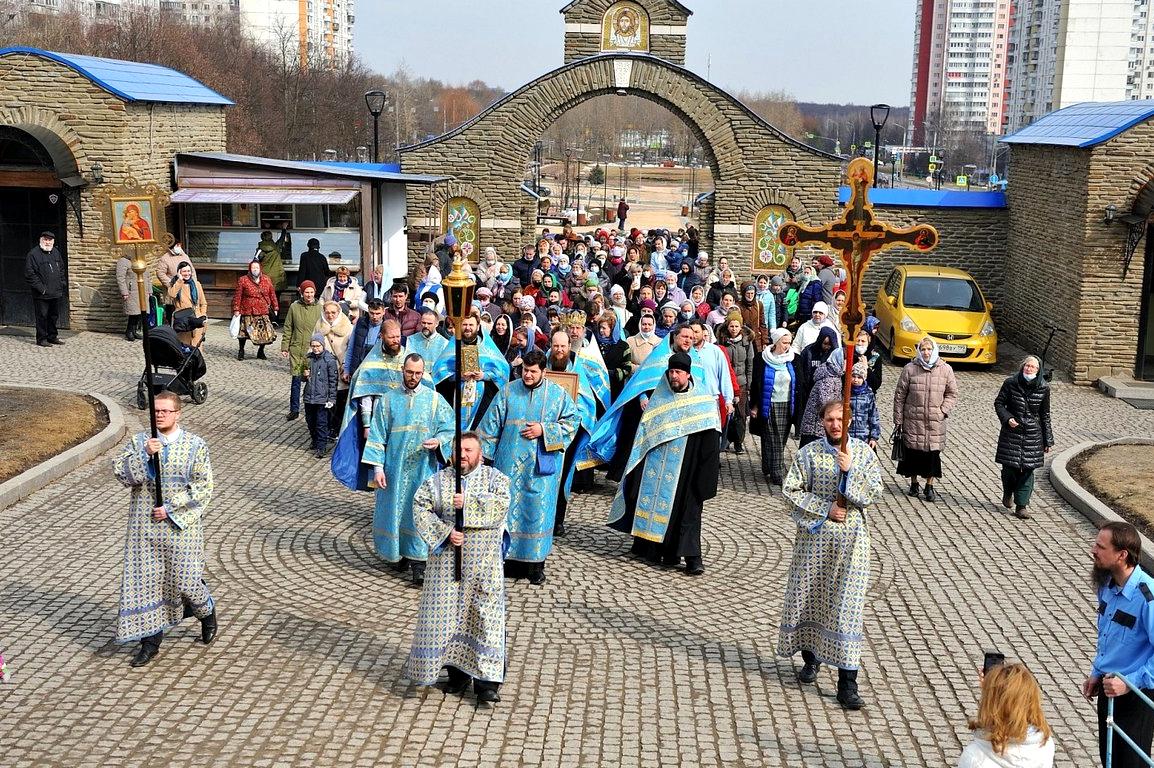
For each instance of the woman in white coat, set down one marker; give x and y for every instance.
(1010, 730)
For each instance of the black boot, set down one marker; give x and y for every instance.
(208, 628)
(486, 691)
(149, 647)
(694, 566)
(808, 673)
(129, 334)
(914, 487)
(419, 572)
(458, 681)
(537, 574)
(931, 494)
(847, 694)
(240, 352)
(260, 352)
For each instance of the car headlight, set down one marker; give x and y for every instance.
(987, 329)
(909, 326)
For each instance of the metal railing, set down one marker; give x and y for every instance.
(1113, 728)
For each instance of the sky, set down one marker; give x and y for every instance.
(802, 47)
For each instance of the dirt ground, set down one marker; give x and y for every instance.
(32, 429)
(1121, 477)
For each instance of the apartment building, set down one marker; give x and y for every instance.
(959, 69)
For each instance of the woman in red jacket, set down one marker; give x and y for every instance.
(254, 301)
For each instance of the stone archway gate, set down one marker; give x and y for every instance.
(754, 165)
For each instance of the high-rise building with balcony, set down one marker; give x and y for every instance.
(959, 67)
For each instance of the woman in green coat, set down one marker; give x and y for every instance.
(271, 257)
(298, 327)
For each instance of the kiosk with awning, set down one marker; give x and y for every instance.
(225, 201)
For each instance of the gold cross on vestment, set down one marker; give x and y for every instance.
(857, 236)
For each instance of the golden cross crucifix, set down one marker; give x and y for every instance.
(857, 236)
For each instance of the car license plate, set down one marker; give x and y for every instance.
(953, 349)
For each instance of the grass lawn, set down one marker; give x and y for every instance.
(37, 424)
(1121, 477)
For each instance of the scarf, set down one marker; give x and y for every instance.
(503, 340)
(193, 293)
(777, 361)
(928, 364)
(504, 277)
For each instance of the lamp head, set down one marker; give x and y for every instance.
(879, 113)
(1111, 212)
(458, 288)
(139, 263)
(375, 101)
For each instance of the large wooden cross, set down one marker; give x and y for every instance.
(857, 236)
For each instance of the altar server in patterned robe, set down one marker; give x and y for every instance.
(427, 342)
(461, 624)
(824, 605)
(480, 386)
(671, 471)
(525, 434)
(410, 436)
(163, 579)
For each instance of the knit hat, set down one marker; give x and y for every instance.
(777, 334)
(317, 337)
(450, 240)
(825, 260)
(649, 304)
(734, 314)
(307, 284)
(820, 306)
(777, 280)
(861, 368)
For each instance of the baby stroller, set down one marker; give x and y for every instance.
(187, 363)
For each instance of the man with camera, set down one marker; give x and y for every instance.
(1125, 645)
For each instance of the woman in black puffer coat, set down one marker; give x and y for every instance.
(1023, 407)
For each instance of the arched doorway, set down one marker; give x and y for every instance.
(31, 201)
(749, 159)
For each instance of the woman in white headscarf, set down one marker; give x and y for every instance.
(617, 303)
(926, 394)
(488, 268)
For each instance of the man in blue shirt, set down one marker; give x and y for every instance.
(1125, 641)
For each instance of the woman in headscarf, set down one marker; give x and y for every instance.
(269, 254)
(753, 314)
(502, 333)
(675, 293)
(430, 283)
(737, 341)
(1023, 408)
(687, 278)
(535, 336)
(828, 383)
(186, 293)
(700, 306)
(810, 294)
(772, 400)
(666, 320)
(337, 330)
(617, 303)
(520, 343)
(503, 286)
(488, 268)
(926, 393)
(687, 313)
(812, 358)
(254, 301)
(615, 351)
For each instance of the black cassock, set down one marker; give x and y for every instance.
(696, 485)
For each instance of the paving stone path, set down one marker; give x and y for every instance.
(611, 663)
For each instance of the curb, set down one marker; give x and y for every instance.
(27, 483)
(1088, 504)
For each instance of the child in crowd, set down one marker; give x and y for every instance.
(320, 394)
(865, 423)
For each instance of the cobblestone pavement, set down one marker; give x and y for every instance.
(611, 663)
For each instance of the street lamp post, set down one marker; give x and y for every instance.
(458, 288)
(879, 113)
(375, 101)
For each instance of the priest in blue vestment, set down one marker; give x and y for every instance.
(671, 471)
(587, 359)
(427, 341)
(485, 372)
(525, 434)
(410, 438)
(612, 437)
(589, 409)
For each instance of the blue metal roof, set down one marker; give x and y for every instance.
(930, 198)
(132, 80)
(1084, 125)
(383, 172)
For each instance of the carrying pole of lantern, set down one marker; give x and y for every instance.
(856, 236)
(140, 266)
(458, 288)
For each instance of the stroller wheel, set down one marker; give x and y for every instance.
(199, 392)
(141, 396)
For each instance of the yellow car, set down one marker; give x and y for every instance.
(945, 304)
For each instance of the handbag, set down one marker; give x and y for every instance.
(898, 447)
(547, 463)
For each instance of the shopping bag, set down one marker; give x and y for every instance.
(234, 326)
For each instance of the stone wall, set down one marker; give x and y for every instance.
(1064, 265)
(748, 157)
(80, 123)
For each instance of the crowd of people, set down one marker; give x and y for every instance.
(631, 354)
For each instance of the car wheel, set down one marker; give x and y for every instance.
(893, 352)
